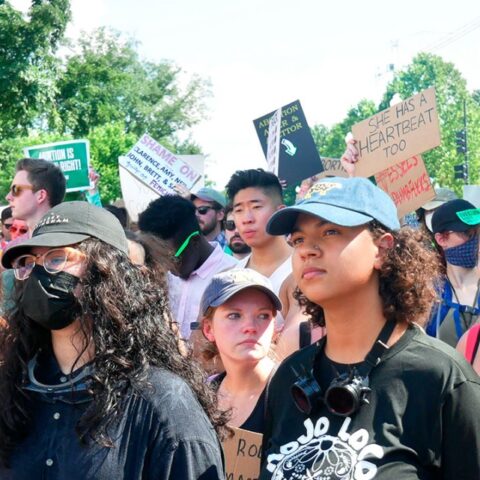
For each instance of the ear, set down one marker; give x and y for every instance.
(384, 243)
(441, 239)
(42, 196)
(281, 206)
(220, 215)
(207, 329)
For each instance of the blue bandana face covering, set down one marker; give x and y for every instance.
(465, 255)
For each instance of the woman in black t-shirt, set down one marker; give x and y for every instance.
(376, 398)
(239, 307)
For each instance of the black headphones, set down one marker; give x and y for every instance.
(348, 391)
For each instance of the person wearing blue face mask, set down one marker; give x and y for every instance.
(456, 226)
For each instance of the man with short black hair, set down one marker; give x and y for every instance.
(38, 186)
(210, 210)
(172, 218)
(255, 196)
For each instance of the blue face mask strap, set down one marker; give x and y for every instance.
(184, 245)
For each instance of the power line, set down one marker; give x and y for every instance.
(455, 35)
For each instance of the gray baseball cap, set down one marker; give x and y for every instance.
(226, 284)
(69, 223)
(210, 195)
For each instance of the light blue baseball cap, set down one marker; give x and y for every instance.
(349, 202)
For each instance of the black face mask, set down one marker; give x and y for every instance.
(49, 300)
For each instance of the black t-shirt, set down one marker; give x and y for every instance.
(162, 433)
(423, 420)
(256, 420)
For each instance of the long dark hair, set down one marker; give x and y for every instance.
(125, 313)
(409, 275)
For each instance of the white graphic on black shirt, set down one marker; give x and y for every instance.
(322, 455)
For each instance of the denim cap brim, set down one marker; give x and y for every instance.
(228, 292)
(283, 221)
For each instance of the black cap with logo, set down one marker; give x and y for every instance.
(69, 223)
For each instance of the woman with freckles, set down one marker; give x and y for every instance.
(239, 309)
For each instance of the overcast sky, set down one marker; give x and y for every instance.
(261, 54)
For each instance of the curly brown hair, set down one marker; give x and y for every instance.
(408, 278)
(124, 311)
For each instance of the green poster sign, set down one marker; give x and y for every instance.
(73, 158)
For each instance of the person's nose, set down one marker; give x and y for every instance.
(308, 250)
(250, 325)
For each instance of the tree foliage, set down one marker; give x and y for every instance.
(103, 91)
(28, 65)
(108, 82)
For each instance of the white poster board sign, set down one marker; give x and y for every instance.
(137, 195)
(158, 168)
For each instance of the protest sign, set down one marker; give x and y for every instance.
(273, 143)
(407, 183)
(406, 129)
(332, 168)
(158, 168)
(73, 158)
(242, 455)
(298, 155)
(137, 195)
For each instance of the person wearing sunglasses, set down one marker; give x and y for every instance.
(38, 186)
(456, 227)
(210, 210)
(7, 221)
(92, 382)
(376, 398)
(235, 242)
(173, 219)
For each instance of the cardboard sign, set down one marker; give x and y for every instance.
(137, 195)
(332, 168)
(73, 158)
(158, 168)
(242, 455)
(407, 183)
(298, 157)
(406, 129)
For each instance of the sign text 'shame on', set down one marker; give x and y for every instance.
(406, 129)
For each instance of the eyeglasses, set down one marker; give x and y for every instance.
(53, 261)
(230, 225)
(16, 190)
(204, 209)
(20, 230)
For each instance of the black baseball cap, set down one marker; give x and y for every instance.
(69, 223)
(456, 216)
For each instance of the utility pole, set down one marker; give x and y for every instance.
(461, 170)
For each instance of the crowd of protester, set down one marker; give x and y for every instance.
(130, 351)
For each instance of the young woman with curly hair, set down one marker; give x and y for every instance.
(376, 398)
(92, 383)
